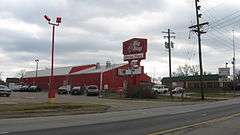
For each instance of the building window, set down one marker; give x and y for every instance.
(209, 85)
(196, 85)
(216, 84)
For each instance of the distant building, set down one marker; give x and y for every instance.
(210, 82)
(87, 75)
(12, 80)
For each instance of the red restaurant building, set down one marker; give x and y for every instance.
(111, 76)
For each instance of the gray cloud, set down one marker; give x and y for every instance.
(93, 30)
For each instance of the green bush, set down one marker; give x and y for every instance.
(140, 92)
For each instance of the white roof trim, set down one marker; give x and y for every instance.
(66, 70)
(101, 69)
(46, 72)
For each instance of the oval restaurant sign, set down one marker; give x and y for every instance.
(135, 49)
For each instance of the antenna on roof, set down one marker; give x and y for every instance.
(98, 65)
(108, 64)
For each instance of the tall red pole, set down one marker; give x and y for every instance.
(51, 92)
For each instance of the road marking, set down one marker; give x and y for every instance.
(2, 133)
(195, 125)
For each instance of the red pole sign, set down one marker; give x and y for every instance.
(135, 49)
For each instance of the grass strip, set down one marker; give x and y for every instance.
(46, 109)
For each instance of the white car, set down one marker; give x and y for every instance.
(160, 89)
(178, 90)
(92, 90)
(5, 91)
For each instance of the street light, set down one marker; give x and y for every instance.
(36, 60)
(51, 92)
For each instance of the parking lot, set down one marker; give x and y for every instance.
(115, 104)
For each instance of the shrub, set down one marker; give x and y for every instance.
(140, 92)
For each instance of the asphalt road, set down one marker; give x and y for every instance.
(141, 126)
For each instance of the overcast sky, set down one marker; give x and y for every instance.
(93, 31)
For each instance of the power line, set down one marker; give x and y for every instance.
(223, 35)
(191, 52)
(216, 37)
(220, 31)
(213, 7)
(230, 23)
(212, 19)
(226, 23)
(225, 18)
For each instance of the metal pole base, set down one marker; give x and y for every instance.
(51, 100)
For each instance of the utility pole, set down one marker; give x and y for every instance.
(36, 75)
(169, 46)
(234, 62)
(197, 28)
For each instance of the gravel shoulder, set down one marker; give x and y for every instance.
(114, 104)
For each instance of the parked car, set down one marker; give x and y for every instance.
(34, 89)
(178, 90)
(17, 88)
(77, 90)
(63, 90)
(5, 91)
(160, 89)
(92, 90)
(24, 88)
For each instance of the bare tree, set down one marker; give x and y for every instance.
(21, 73)
(186, 70)
(183, 70)
(175, 74)
(194, 70)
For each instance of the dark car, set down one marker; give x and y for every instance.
(34, 89)
(63, 90)
(77, 90)
(5, 91)
(24, 88)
